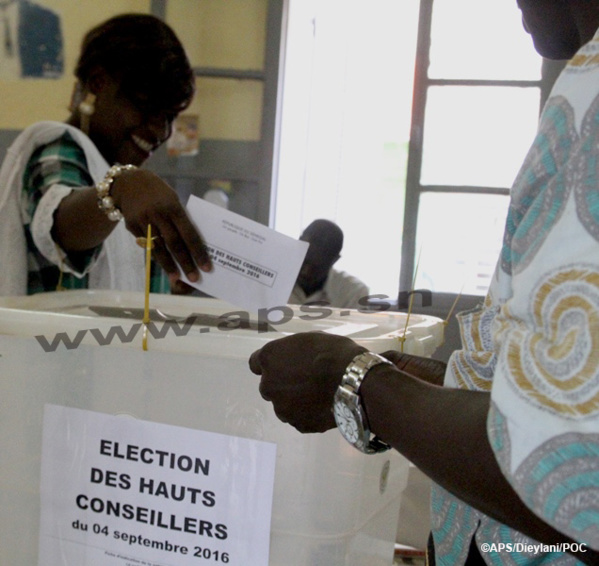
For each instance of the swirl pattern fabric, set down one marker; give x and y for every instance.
(535, 342)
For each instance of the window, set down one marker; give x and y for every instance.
(479, 101)
(347, 96)
(418, 186)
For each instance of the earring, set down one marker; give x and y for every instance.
(86, 109)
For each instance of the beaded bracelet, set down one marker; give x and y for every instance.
(105, 201)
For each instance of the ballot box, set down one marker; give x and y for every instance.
(125, 443)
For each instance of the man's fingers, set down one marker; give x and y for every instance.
(254, 363)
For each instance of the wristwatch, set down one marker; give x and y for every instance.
(348, 409)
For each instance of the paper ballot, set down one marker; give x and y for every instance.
(254, 267)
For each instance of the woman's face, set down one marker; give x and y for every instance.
(123, 128)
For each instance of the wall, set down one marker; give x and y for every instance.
(217, 35)
(230, 36)
(223, 40)
(29, 100)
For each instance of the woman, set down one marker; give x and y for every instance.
(61, 202)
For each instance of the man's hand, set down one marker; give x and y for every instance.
(300, 375)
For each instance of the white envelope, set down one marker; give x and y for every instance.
(255, 267)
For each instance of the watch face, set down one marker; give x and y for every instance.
(346, 422)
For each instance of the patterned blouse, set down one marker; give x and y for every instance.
(62, 162)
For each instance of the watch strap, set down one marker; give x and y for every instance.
(358, 368)
(352, 380)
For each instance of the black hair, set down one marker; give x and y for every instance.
(327, 235)
(145, 56)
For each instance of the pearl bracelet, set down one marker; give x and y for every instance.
(105, 201)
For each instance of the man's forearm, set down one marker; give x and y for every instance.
(443, 432)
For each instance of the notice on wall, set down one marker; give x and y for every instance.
(120, 491)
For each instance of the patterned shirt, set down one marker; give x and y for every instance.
(62, 162)
(535, 342)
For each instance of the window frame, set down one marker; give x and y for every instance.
(444, 304)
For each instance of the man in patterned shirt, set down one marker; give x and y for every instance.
(512, 438)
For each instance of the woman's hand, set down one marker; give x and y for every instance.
(144, 198)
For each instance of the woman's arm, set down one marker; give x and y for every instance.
(143, 198)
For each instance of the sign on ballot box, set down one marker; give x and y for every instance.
(121, 491)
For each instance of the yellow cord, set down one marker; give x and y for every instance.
(59, 285)
(411, 303)
(453, 306)
(146, 319)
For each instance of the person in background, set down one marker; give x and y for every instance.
(512, 438)
(317, 281)
(73, 197)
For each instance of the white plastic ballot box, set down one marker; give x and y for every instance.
(73, 365)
